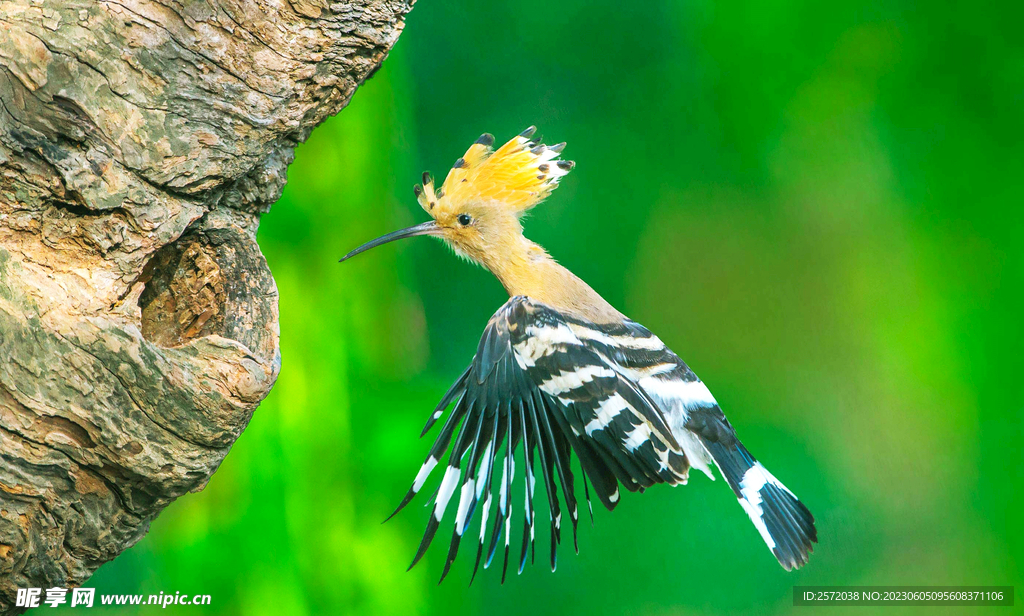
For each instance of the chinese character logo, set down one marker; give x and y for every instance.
(83, 596)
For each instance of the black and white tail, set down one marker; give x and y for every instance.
(784, 522)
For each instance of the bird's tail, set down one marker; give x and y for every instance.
(784, 522)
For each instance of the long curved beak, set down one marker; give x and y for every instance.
(427, 228)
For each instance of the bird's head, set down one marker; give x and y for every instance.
(477, 209)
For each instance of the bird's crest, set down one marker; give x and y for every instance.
(516, 176)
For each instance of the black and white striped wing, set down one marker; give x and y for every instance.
(537, 391)
(706, 436)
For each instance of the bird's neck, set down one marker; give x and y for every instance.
(527, 269)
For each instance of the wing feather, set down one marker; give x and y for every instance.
(553, 385)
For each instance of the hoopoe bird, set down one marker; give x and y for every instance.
(559, 371)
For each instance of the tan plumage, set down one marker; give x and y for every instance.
(494, 189)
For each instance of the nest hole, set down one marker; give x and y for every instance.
(209, 282)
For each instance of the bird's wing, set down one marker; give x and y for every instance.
(542, 380)
(706, 436)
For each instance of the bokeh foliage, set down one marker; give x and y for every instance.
(817, 205)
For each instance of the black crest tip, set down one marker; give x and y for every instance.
(529, 131)
(486, 139)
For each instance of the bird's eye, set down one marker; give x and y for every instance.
(464, 219)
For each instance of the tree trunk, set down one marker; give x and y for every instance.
(140, 140)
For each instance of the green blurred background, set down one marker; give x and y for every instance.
(817, 205)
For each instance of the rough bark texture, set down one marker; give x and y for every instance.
(140, 141)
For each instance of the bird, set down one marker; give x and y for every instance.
(560, 372)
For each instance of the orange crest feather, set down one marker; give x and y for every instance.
(518, 175)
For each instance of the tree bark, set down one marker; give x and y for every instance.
(140, 141)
